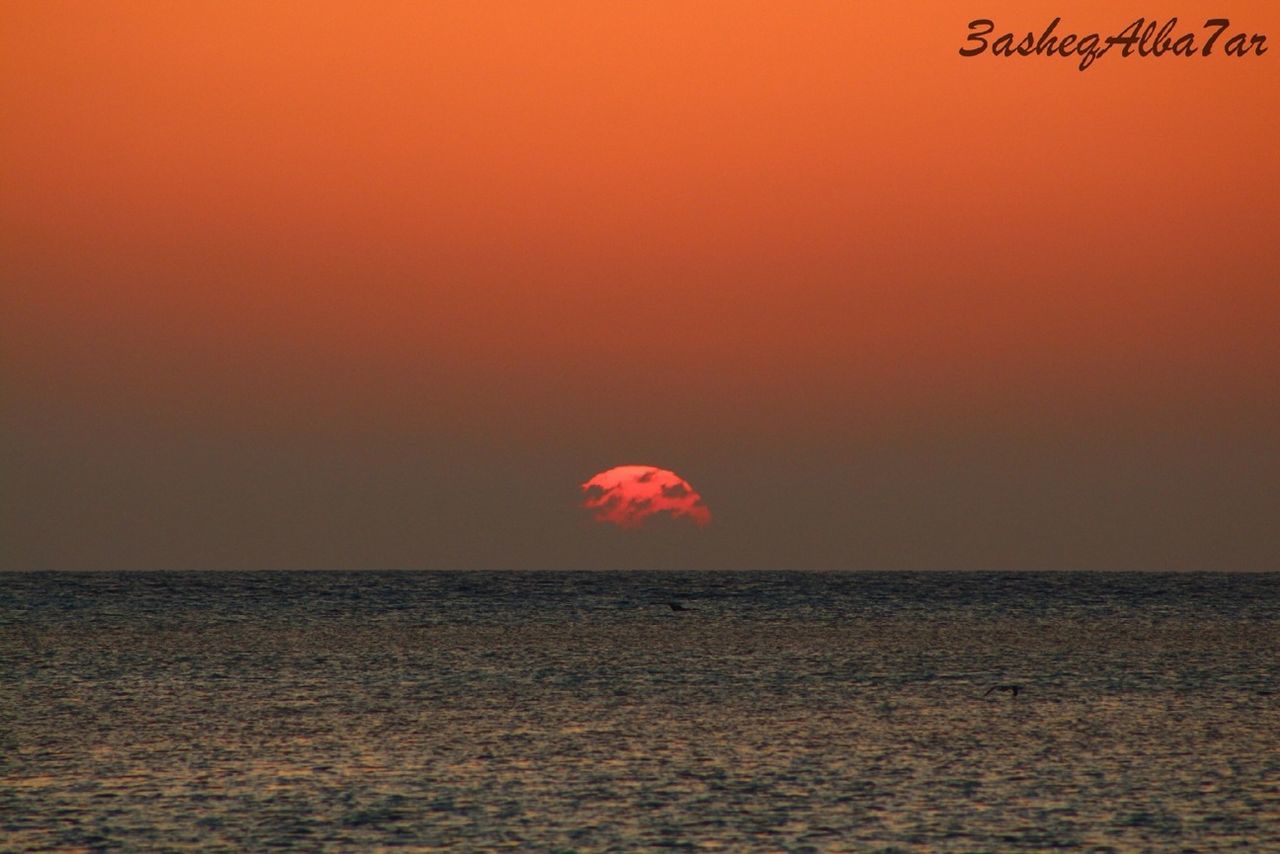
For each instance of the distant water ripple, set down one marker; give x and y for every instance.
(782, 711)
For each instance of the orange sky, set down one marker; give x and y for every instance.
(391, 275)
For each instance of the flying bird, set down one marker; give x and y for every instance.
(1012, 689)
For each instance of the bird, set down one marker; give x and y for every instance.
(1012, 689)
(676, 606)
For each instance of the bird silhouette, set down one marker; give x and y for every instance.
(676, 606)
(1012, 689)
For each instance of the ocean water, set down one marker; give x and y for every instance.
(554, 711)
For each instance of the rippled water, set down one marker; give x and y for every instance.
(578, 711)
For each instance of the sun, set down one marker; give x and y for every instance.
(631, 496)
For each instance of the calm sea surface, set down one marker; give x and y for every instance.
(553, 711)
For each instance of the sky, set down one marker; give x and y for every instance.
(379, 285)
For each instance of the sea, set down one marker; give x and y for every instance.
(581, 711)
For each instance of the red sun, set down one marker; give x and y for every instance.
(628, 496)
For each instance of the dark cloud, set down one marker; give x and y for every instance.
(666, 516)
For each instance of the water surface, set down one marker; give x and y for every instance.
(786, 711)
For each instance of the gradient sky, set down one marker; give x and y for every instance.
(349, 285)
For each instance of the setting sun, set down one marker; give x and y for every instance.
(630, 496)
